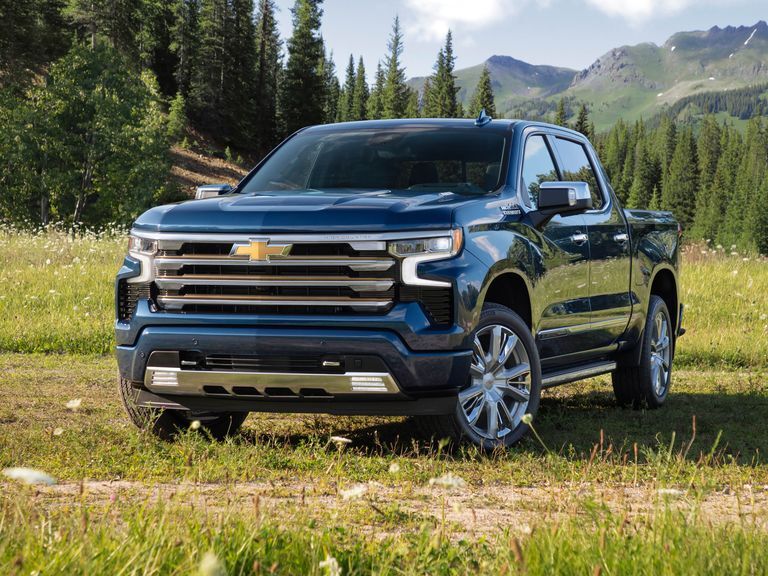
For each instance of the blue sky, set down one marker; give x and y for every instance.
(570, 33)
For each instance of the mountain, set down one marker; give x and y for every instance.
(511, 79)
(630, 81)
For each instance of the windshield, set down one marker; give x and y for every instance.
(466, 161)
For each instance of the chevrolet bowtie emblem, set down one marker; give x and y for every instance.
(260, 250)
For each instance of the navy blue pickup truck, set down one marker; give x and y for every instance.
(447, 270)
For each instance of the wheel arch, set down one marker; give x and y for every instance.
(511, 289)
(664, 285)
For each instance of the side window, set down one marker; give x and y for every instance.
(538, 166)
(576, 167)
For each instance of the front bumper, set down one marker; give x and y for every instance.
(378, 370)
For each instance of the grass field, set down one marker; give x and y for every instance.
(606, 491)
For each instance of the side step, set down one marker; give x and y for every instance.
(578, 373)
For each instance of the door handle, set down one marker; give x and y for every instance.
(622, 238)
(579, 238)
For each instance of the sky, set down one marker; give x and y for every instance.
(570, 33)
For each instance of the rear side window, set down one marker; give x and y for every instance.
(577, 167)
(538, 167)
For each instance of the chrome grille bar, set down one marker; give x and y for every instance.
(356, 284)
(178, 302)
(356, 264)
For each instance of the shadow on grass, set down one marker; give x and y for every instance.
(575, 424)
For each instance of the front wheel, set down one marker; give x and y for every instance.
(504, 384)
(647, 385)
(166, 424)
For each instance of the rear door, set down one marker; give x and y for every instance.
(561, 290)
(609, 242)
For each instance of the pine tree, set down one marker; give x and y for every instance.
(679, 190)
(360, 94)
(561, 118)
(239, 105)
(442, 102)
(375, 108)
(582, 122)
(761, 218)
(644, 178)
(302, 94)
(395, 92)
(209, 79)
(346, 99)
(332, 90)
(709, 152)
(117, 21)
(709, 224)
(483, 98)
(268, 71)
(185, 41)
(412, 108)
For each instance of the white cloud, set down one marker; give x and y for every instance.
(433, 18)
(640, 10)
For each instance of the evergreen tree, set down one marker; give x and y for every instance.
(375, 108)
(412, 108)
(303, 99)
(761, 218)
(117, 21)
(185, 40)
(239, 103)
(679, 190)
(209, 78)
(561, 118)
(709, 221)
(395, 92)
(346, 100)
(483, 98)
(644, 180)
(360, 94)
(268, 71)
(332, 90)
(582, 122)
(442, 102)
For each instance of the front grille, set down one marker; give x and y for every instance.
(283, 364)
(297, 278)
(304, 277)
(128, 296)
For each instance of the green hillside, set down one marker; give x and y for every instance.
(630, 82)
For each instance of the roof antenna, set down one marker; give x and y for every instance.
(482, 119)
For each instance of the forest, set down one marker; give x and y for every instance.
(94, 93)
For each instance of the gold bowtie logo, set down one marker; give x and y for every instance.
(260, 250)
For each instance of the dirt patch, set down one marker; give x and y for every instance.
(191, 169)
(462, 512)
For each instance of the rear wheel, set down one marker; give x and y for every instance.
(504, 384)
(647, 385)
(166, 424)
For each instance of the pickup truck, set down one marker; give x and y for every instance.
(447, 270)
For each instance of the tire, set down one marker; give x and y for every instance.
(647, 385)
(166, 424)
(514, 391)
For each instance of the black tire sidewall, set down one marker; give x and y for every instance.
(497, 314)
(647, 389)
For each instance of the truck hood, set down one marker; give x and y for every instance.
(307, 211)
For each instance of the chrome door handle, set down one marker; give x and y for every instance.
(622, 238)
(579, 239)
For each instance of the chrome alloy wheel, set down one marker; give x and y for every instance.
(500, 388)
(661, 354)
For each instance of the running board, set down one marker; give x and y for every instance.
(579, 373)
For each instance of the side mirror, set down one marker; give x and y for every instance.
(561, 198)
(211, 190)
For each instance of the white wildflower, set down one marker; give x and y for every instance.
(354, 493)
(194, 425)
(670, 492)
(527, 419)
(74, 404)
(394, 468)
(332, 565)
(210, 565)
(58, 431)
(448, 481)
(340, 440)
(29, 476)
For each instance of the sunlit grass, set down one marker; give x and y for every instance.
(56, 295)
(57, 291)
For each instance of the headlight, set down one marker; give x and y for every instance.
(142, 246)
(414, 252)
